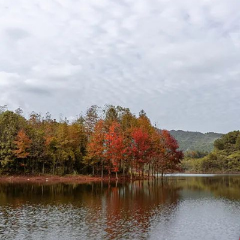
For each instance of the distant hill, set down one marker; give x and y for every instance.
(195, 141)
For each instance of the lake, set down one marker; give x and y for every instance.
(181, 207)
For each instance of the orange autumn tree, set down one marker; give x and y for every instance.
(95, 147)
(23, 143)
(114, 148)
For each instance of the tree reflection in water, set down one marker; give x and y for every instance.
(128, 210)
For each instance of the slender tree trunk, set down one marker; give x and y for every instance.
(24, 168)
(109, 170)
(97, 169)
(149, 170)
(131, 172)
(101, 168)
(53, 168)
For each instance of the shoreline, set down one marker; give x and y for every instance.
(48, 179)
(54, 179)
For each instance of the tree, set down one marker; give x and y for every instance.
(111, 115)
(168, 158)
(140, 147)
(91, 119)
(95, 147)
(10, 124)
(23, 143)
(65, 157)
(114, 147)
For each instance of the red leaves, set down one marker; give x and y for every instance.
(135, 146)
(140, 145)
(169, 141)
(114, 148)
(169, 157)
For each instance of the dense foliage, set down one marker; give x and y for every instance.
(195, 141)
(225, 158)
(112, 140)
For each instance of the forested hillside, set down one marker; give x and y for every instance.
(225, 158)
(195, 141)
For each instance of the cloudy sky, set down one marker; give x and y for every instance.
(177, 60)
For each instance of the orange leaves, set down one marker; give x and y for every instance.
(22, 144)
(136, 146)
(114, 148)
(106, 144)
(95, 146)
(132, 145)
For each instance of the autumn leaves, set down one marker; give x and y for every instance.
(137, 148)
(103, 142)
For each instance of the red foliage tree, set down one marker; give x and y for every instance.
(168, 156)
(114, 147)
(140, 147)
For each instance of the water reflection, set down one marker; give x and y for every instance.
(137, 210)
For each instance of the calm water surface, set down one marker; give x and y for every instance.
(179, 208)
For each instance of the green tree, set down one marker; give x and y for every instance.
(10, 124)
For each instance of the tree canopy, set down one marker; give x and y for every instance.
(103, 141)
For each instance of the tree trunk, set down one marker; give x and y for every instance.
(53, 168)
(148, 170)
(109, 170)
(162, 174)
(131, 172)
(101, 168)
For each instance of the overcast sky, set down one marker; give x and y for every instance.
(177, 60)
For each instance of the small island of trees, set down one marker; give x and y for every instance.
(109, 141)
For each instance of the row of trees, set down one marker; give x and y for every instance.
(104, 141)
(225, 158)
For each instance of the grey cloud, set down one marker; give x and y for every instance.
(16, 33)
(178, 61)
(35, 91)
